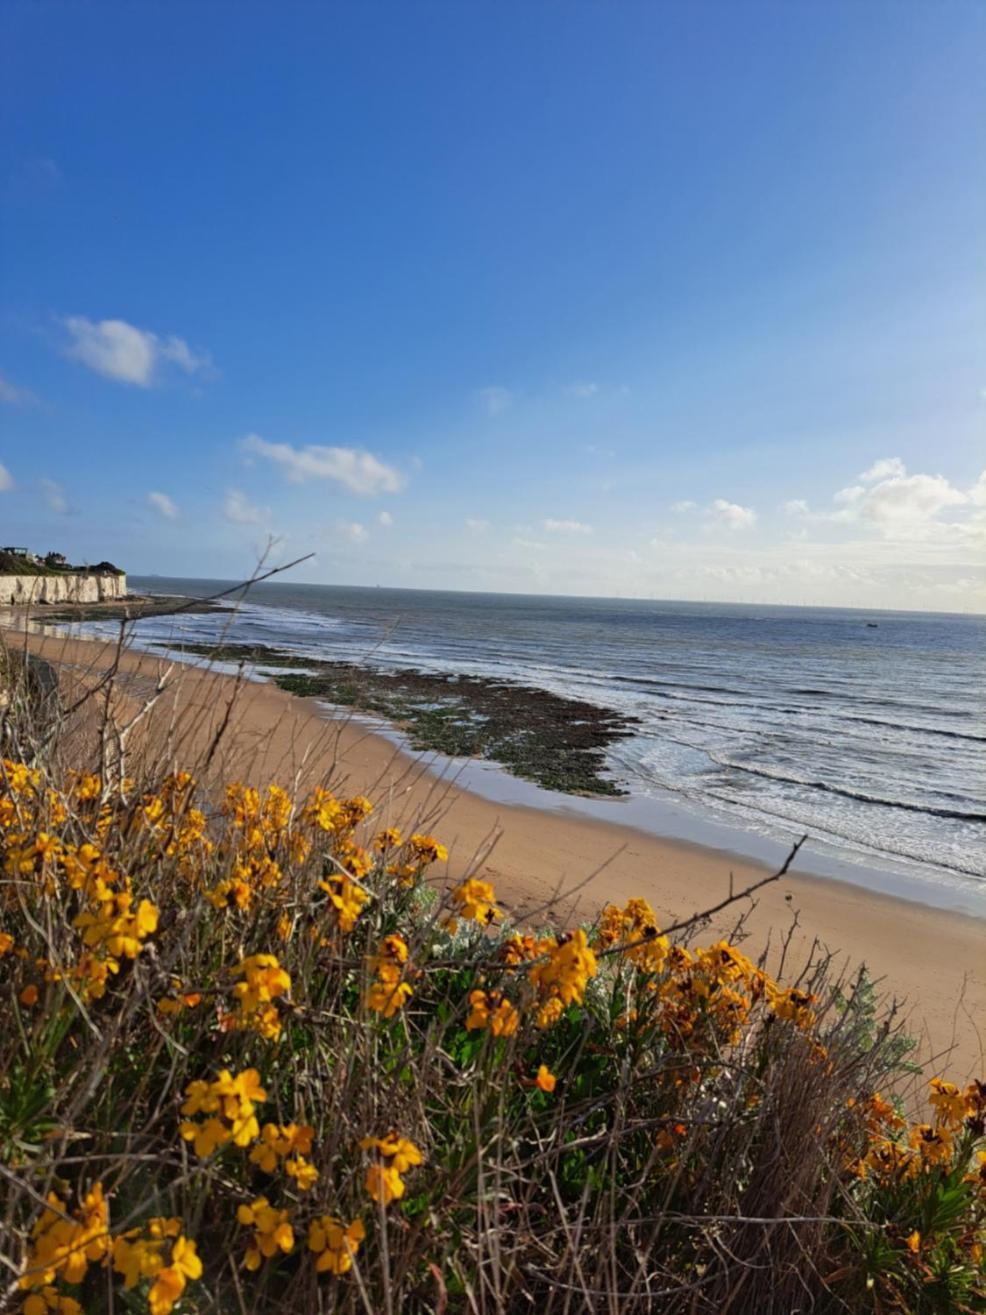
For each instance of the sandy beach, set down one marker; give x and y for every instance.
(932, 961)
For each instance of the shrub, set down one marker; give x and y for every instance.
(256, 1056)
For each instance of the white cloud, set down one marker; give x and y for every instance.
(530, 545)
(54, 496)
(732, 515)
(903, 507)
(566, 527)
(686, 504)
(477, 526)
(582, 391)
(163, 504)
(908, 500)
(119, 350)
(351, 530)
(14, 396)
(885, 468)
(385, 518)
(6, 479)
(358, 471)
(495, 399)
(238, 509)
(795, 507)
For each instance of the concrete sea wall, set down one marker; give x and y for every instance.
(66, 588)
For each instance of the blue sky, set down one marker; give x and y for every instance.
(662, 300)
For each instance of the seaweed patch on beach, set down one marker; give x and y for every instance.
(558, 743)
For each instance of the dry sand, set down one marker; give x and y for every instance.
(932, 960)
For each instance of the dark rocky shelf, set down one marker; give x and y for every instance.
(559, 743)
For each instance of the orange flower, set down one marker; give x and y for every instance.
(546, 1079)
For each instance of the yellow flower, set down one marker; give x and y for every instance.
(794, 1005)
(428, 850)
(272, 1232)
(569, 966)
(170, 1282)
(63, 1245)
(476, 901)
(949, 1103)
(393, 950)
(231, 1101)
(384, 1183)
(206, 1137)
(978, 1176)
(136, 1258)
(549, 1013)
(347, 897)
(479, 1011)
(200, 1098)
(545, 1079)
(115, 928)
(398, 1154)
(304, 1174)
(914, 1242)
(637, 925)
(280, 1140)
(402, 1153)
(50, 1299)
(265, 980)
(390, 838)
(934, 1145)
(492, 1010)
(322, 810)
(388, 998)
(334, 1244)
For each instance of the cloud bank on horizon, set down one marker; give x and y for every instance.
(493, 351)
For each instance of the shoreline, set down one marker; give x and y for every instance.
(540, 859)
(538, 748)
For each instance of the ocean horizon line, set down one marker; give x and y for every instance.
(601, 598)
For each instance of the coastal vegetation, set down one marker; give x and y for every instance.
(18, 561)
(258, 1054)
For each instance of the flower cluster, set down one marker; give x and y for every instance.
(475, 901)
(334, 1243)
(388, 992)
(290, 1143)
(271, 1231)
(162, 1254)
(562, 974)
(898, 1153)
(116, 930)
(229, 1106)
(264, 980)
(63, 1246)
(148, 928)
(634, 928)
(347, 897)
(394, 1155)
(491, 1009)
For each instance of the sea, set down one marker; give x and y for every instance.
(864, 730)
